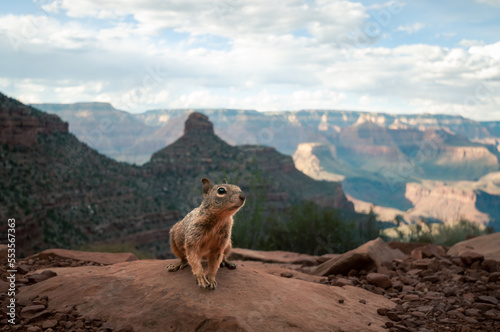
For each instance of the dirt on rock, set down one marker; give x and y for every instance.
(436, 293)
(33, 313)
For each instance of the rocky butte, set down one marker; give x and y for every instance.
(199, 152)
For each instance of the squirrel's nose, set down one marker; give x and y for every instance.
(242, 197)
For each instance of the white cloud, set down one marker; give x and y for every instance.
(325, 20)
(52, 7)
(492, 51)
(411, 28)
(261, 62)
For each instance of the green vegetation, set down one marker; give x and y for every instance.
(117, 248)
(59, 232)
(442, 234)
(305, 228)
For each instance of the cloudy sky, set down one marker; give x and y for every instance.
(398, 56)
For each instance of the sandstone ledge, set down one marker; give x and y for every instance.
(105, 258)
(285, 257)
(144, 295)
(487, 245)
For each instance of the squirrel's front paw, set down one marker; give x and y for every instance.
(201, 281)
(172, 267)
(212, 284)
(177, 266)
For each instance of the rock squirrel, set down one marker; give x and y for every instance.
(206, 232)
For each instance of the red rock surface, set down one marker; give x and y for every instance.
(145, 296)
(275, 257)
(428, 251)
(104, 258)
(379, 280)
(486, 245)
(371, 254)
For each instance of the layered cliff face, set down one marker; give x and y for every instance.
(467, 154)
(448, 202)
(392, 193)
(307, 160)
(21, 125)
(436, 200)
(323, 162)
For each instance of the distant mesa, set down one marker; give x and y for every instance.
(83, 106)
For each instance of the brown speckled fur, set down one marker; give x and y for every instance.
(205, 232)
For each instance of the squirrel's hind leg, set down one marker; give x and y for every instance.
(177, 266)
(230, 265)
(225, 262)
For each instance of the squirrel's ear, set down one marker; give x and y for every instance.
(225, 181)
(207, 185)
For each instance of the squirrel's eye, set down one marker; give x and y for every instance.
(221, 191)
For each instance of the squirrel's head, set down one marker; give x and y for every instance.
(222, 198)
